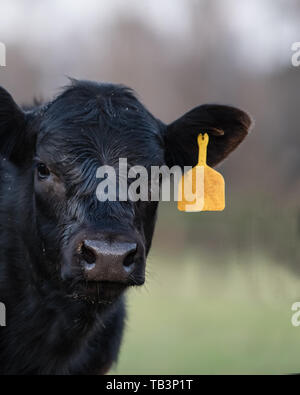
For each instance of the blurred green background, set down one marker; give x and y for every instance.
(197, 319)
(215, 310)
(220, 286)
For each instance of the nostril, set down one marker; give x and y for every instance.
(129, 259)
(87, 255)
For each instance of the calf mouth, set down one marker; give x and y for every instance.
(100, 292)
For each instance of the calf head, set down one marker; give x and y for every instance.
(90, 249)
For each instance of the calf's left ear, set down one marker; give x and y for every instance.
(13, 136)
(226, 126)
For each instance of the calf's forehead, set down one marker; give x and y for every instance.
(133, 135)
(106, 121)
(103, 145)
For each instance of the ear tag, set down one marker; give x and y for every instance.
(201, 188)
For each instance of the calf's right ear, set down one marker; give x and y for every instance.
(13, 136)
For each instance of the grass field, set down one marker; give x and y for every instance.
(198, 317)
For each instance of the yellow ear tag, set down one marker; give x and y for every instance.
(201, 188)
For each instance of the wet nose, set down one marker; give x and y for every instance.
(104, 260)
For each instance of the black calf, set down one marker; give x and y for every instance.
(65, 257)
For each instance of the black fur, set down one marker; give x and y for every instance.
(50, 330)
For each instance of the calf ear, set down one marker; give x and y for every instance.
(13, 139)
(226, 126)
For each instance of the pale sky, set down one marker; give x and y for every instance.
(263, 37)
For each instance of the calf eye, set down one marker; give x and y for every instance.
(43, 171)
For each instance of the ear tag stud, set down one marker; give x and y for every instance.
(201, 188)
